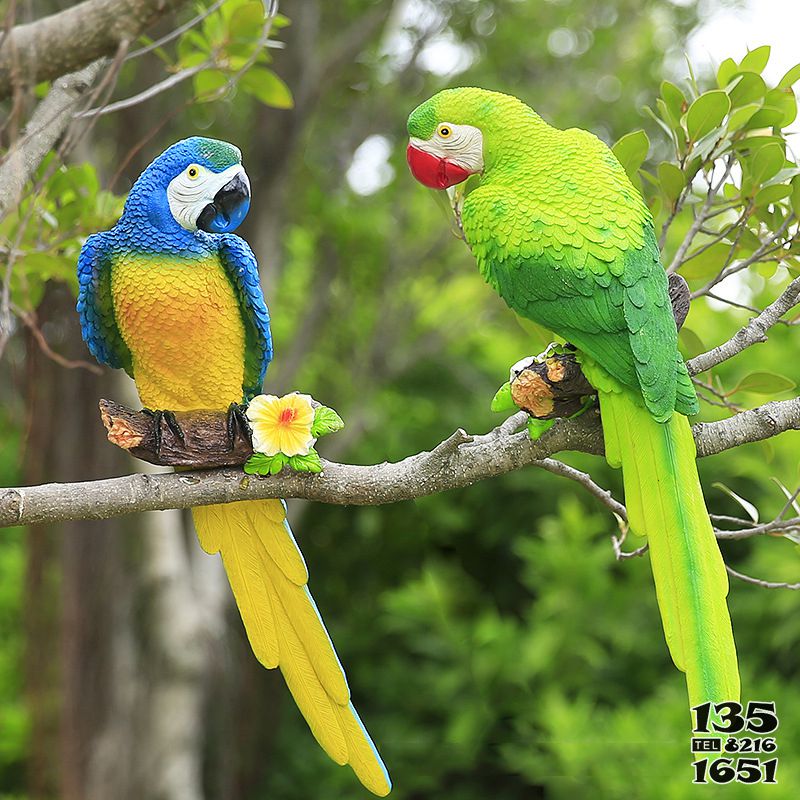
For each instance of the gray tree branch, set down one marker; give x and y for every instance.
(458, 461)
(47, 123)
(73, 38)
(753, 333)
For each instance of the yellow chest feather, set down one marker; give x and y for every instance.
(182, 322)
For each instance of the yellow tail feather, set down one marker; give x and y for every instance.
(665, 502)
(268, 577)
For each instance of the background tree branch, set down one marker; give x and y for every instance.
(50, 119)
(71, 39)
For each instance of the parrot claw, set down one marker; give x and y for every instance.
(171, 422)
(237, 423)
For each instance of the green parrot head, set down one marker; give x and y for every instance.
(461, 132)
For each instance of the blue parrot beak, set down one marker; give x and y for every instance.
(230, 207)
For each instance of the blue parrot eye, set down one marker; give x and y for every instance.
(193, 171)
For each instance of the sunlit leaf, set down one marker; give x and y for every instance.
(631, 151)
(671, 179)
(747, 87)
(207, 83)
(765, 163)
(751, 510)
(756, 59)
(267, 87)
(706, 113)
(247, 21)
(740, 116)
(707, 263)
(785, 102)
(790, 78)
(674, 99)
(772, 194)
(727, 69)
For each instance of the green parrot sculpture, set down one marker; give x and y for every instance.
(559, 231)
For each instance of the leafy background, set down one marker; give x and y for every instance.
(494, 646)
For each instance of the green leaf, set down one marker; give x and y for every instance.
(671, 180)
(764, 383)
(502, 400)
(727, 69)
(631, 151)
(740, 116)
(326, 421)
(751, 510)
(207, 83)
(796, 195)
(674, 99)
(261, 464)
(267, 87)
(707, 263)
(790, 78)
(706, 113)
(306, 463)
(765, 163)
(767, 117)
(691, 344)
(773, 194)
(748, 87)
(785, 102)
(247, 21)
(756, 60)
(536, 427)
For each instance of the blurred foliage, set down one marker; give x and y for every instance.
(494, 646)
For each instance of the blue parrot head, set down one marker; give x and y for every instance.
(197, 184)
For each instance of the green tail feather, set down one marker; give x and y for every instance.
(665, 503)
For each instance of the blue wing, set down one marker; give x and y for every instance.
(242, 268)
(95, 306)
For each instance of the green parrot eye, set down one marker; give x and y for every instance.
(445, 131)
(193, 171)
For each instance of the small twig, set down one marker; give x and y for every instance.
(176, 32)
(758, 582)
(754, 332)
(585, 480)
(148, 93)
(700, 219)
(29, 320)
(775, 527)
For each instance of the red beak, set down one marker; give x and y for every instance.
(432, 171)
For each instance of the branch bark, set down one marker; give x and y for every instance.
(47, 123)
(753, 333)
(71, 39)
(458, 461)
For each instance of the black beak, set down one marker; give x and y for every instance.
(230, 207)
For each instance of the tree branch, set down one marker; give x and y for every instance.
(71, 39)
(459, 461)
(47, 123)
(753, 333)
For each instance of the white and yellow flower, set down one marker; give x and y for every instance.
(282, 424)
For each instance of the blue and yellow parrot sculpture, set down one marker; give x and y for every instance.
(173, 297)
